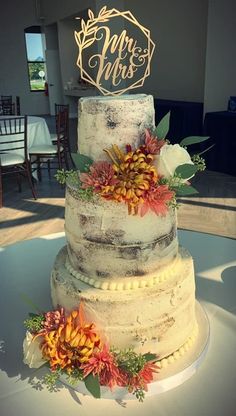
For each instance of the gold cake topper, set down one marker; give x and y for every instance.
(120, 62)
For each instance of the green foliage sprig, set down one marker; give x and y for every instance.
(51, 379)
(34, 323)
(72, 177)
(63, 175)
(130, 361)
(75, 376)
(199, 162)
(85, 194)
(175, 183)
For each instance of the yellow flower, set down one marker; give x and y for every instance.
(134, 173)
(71, 344)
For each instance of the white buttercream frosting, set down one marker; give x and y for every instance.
(135, 282)
(120, 245)
(103, 121)
(157, 318)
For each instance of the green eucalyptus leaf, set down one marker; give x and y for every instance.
(149, 356)
(193, 140)
(163, 127)
(185, 190)
(82, 162)
(93, 386)
(206, 150)
(186, 171)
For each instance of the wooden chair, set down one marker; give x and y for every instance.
(58, 109)
(7, 109)
(55, 153)
(6, 99)
(17, 105)
(61, 107)
(14, 157)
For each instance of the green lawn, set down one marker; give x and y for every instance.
(37, 84)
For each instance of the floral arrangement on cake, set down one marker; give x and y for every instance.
(149, 177)
(70, 346)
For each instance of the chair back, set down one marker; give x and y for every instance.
(7, 109)
(6, 99)
(13, 135)
(17, 105)
(61, 107)
(62, 129)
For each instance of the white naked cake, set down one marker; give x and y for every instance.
(122, 288)
(121, 261)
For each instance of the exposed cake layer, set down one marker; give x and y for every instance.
(105, 242)
(103, 121)
(129, 283)
(158, 319)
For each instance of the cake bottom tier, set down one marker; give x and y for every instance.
(157, 319)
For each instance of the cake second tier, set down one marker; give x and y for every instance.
(105, 242)
(157, 317)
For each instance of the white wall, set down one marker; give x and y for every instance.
(15, 16)
(220, 75)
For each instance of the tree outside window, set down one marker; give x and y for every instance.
(34, 40)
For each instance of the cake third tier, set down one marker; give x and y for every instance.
(106, 243)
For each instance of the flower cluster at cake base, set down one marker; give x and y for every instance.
(70, 346)
(147, 178)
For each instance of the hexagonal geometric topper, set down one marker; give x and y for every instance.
(94, 31)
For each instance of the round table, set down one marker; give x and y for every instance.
(24, 273)
(37, 131)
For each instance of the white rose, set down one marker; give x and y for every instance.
(171, 156)
(32, 352)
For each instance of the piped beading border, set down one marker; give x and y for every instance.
(165, 273)
(181, 351)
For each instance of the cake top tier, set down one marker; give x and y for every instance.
(104, 121)
(124, 97)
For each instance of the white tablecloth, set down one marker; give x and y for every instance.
(25, 268)
(37, 131)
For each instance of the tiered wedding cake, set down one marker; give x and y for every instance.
(135, 282)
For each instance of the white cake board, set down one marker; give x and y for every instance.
(169, 377)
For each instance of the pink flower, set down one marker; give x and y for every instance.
(102, 363)
(156, 199)
(152, 144)
(53, 319)
(101, 175)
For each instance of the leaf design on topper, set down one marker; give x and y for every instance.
(113, 62)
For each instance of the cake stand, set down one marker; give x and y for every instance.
(172, 375)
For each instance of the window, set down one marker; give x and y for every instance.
(34, 40)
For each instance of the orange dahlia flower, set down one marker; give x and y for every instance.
(103, 364)
(134, 174)
(156, 199)
(143, 378)
(152, 144)
(101, 177)
(71, 344)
